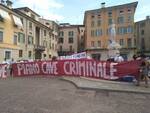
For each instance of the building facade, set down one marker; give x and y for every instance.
(142, 34)
(37, 35)
(97, 30)
(68, 39)
(23, 36)
(53, 37)
(10, 28)
(81, 39)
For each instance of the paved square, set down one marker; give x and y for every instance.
(52, 95)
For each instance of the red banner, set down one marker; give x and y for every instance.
(3, 70)
(86, 68)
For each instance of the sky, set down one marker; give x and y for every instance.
(72, 11)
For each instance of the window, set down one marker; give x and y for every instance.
(30, 40)
(99, 16)
(121, 42)
(109, 14)
(44, 32)
(129, 29)
(142, 32)
(135, 42)
(142, 44)
(121, 30)
(45, 43)
(99, 23)
(129, 10)
(70, 33)
(110, 21)
(56, 47)
(99, 43)
(70, 48)
(142, 24)
(61, 33)
(120, 20)
(21, 38)
(92, 44)
(30, 25)
(92, 24)
(70, 40)
(21, 20)
(109, 31)
(52, 46)
(92, 33)
(130, 19)
(29, 54)
(20, 53)
(60, 48)
(1, 19)
(60, 40)
(98, 32)
(47, 23)
(7, 54)
(1, 36)
(121, 12)
(129, 42)
(92, 16)
(15, 40)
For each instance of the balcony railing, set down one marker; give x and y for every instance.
(39, 47)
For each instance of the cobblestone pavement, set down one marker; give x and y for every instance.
(52, 95)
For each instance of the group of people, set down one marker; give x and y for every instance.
(144, 67)
(9, 68)
(116, 58)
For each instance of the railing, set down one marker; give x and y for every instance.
(39, 47)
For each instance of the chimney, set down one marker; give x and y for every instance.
(103, 5)
(9, 3)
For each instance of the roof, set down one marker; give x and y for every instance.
(117, 6)
(70, 26)
(16, 11)
(26, 8)
(31, 19)
(110, 8)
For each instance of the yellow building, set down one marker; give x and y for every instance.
(10, 26)
(23, 36)
(97, 30)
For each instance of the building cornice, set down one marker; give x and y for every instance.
(31, 19)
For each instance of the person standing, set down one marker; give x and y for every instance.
(143, 71)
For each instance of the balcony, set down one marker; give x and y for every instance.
(39, 48)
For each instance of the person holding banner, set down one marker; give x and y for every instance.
(143, 71)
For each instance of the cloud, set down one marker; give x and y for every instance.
(52, 16)
(42, 7)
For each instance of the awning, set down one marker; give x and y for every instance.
(17, 21)
(4, 14)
